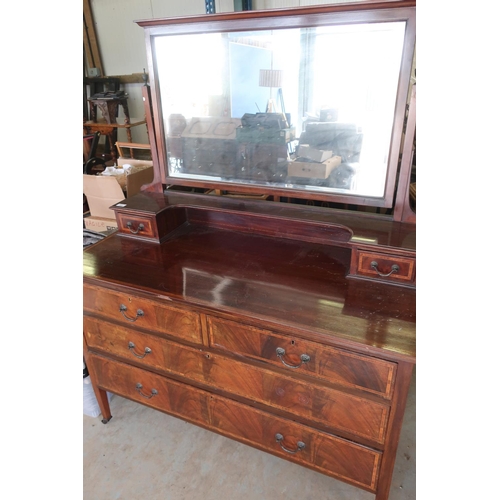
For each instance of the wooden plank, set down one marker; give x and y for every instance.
(133, 78)
(90, 38)
(87, 51)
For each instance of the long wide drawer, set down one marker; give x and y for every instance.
(317, 404)
(304, 357)
(337, 457)
(143, 313)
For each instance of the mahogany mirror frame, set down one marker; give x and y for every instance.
(394, 194)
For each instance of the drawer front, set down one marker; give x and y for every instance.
(386, 267)
(303, 357)
(128, 344)
(143, 313)
(137, 225)
(328, 407)
(326, 453)
(357, 465)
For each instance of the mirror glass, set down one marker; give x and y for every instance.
(302, 108)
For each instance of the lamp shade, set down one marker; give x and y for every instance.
(270, 78)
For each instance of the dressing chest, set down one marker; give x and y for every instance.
(283, 325)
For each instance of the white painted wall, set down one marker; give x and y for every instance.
(122, 45)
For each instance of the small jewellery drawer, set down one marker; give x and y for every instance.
(302, 357)
(386, 267)
(317, 404)
(355, 464)
(136, 225)
(142, 313)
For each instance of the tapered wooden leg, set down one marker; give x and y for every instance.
(102, 399)
(394, 430)
(100, 394)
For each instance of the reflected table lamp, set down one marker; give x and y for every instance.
(271, 78)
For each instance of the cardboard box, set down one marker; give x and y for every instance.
(99, 224)
(103, 191)
(313, 170)
(321, 155)
(132, 161)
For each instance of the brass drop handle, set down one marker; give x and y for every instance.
(139, 313)
(131, 346)
(374, 265)
(140, 227)
(138, 388)
(304, 358)
(300, 445)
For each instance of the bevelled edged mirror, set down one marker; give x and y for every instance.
(306, 102)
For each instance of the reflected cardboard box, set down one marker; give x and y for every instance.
(320, 155)
(311, 169)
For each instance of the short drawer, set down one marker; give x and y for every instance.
(303, 357)
(127, 343)
(326, 453)
(329, 407)
(136, 225)
(386, 267)
(147, 314)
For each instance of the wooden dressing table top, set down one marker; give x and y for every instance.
(298, 285)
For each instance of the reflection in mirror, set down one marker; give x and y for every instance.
(306, 108)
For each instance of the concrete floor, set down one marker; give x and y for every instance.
(144, 454)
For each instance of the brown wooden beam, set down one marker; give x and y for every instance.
(90, 44)
(133, 78)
